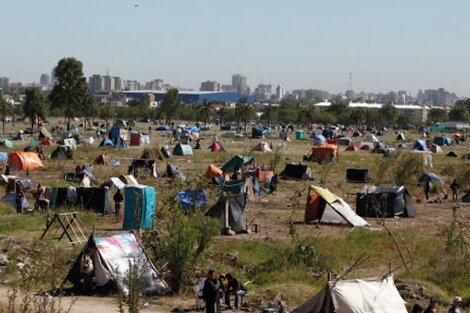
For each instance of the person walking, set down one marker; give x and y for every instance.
(210, 291)
(456, 305)
(118, 199)
(454, 186)
(427, 188)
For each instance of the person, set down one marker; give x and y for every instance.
(7, 169)
(42, 203)
(210, 291)
(235, 287)
(118, 198)
(427, 187)
(432, 308)
(235, 173)
(456, 305)
(222, 290)
(86, 271)
(274, 182)
(198, 144)
(454, 186)
(19, 199)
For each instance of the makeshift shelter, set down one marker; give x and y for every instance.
(70, 142)
(436, 149)
(95, 199)
(380, 147)
(163, 128)
(318, 139)
(356, 296)
(166, 151)
(106, 143)
(112, 260)
(365, 145)
(344, 141)
(236, 161)
(62, 153)
(372, 138)
(139, 207)
(297, 171)
(213, 171)
(174, 171)
(117, 134)
(357, 175)
(433, 178)
(442, 141)
(152, 154)
(402, 146)
(44, 134)
(101, 159)
(182, 149)
(24, 161)
(10, 198)
(357, 134)
(325, 207)
(420, 145)
(143, 168)
(352, 148)
(373, 201)
(452, 154)
(129, 180)
(231, 211)
(258, 132)
(47, 142)
(400, 136)
(262, 147)
(216, 147)
(325, 152)
(139, 139)
(114, 183)
(192, 199)
(7, 143)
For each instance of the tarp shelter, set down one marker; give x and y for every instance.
(116, 132)
(71, 143)
(129, 180)
(163, 128)
(7, 143)
(166, 151)
(380, 147)
(62, 153)
(352, 148)
(236, 161)
(143, 168)
(139, 139)
(357, 175)
(181, 149)
(297, 171)
(436, 149)
(258, 132)
(213, 171)
(106, 143)
(10, 198)
(344, 141)
(44, 134)
(114, 183)
(372, 138)
(113, 258)
(47, 142)
(442, 141)
(402, 146)
(262, 147)
(373, 201)
(3, 156)
(318, 139)
(452, 154)
(216, 147)
(174, 171)
(24, 161)
(95, 199)
(139, 207)
(192, 199)
(101, 159)
(231, 211)
(433, 178)
(325, 152)
(420, 145)
(371, 295)
(366, 145)
(401, 136)
(326, 207)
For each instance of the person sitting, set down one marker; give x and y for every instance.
(86, 271)
(235, 287)
(42, 203)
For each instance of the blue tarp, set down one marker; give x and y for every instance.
(258, 132)
(193, 129)
(420, 145)
(163, 128)
(318, 139)
(192, 199)
(442, 141)
(106, 143)
(3, 156)
(139, 207)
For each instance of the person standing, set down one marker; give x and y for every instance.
(19, 199)
(432, 308)
(427, 188)
(454, 186)
(456, 306)
(210, 291)
(118, 199)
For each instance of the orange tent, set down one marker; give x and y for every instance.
(24, 161)
(213, 171)
(325, 151)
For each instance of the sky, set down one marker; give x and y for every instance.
(386, 45)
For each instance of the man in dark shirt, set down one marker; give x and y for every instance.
(432, 308)
(235, 287)
(210, 291)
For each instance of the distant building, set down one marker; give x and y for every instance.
(280, 92)
(227, 88)
(131, 85)
(263, 92)
(106, 83)
(4, 81)
(118, 86)
(210, 85)
(44, 80)
(239, 84)
(156, 84)
(96, 83)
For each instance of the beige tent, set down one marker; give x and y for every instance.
(263, 147)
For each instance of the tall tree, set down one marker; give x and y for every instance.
(389, 113)
(310, 112)
(437, 115)
(357, 116)
(5, 108)
(222, 112)
(89, 108)
(245, 111)
(70, 89)
(267, 113)
(170, 104)
(205, 111)
(35, 106)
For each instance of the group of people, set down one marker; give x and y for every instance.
(217, 291)
(454, 187)
(432, 307)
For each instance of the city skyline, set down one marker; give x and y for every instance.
(387, 46)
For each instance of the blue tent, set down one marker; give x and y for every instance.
(106, 143)
(420, 145)
(192, 199)
(193, 129)
(163, 128)
(139, 207)
(258, 132)
(318, 139)
(7, 143)
(442, 141)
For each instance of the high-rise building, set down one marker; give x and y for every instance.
(108, 83)
(131, 85)
(239, 84)
(96, 83)
(280, 92)
(210, 85)
(4, 81)
(263, 92)
(45, 80)
(156, 84)
(227, 88)
(117, 84)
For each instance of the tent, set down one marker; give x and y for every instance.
(372, 138)
(129, 180)
(44, 134)
(139, 207)
(101, 159)
(48, 142)
(352, 148)
(174, 171)
(366, 145)
(151, 154)
(143, 168)
(258, 132)
(166, 151)
(236, 161)
(420, 145)
(452, 154)
(87, 140)
(7, 143)
(442, 141)
(263, 147)
(114, 183)
(231, 211)
(325, 152)
(139, 139)
(216, 147)
(213, 171)
(10, 198)
(356, 175)
(181, 149)
(356, 296)
(436, 149)
(118, 136)
(402, 146)
(163, 128)
(326, 207)
(380, 147)
(113, 258)
(106, 143)
(297, 171)
(344, 141)
(357, 134)
(433, 178)
(24, 161)
(373, 201)
(195, 198)
(318, 139)
(95, 199)
(62, 153)
(70, 142)
(401, 136)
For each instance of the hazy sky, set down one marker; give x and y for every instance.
(387, 45)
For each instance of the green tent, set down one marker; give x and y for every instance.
(236, 161)
(181, 149)
(7, 143)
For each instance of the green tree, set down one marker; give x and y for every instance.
(89, 109)
(6, 109)
(357, 116)
(205, 111)
(268, 112)
(403, 120)
(222, 112)
(245, 112)
(70, 89)
(437, 115)
(170, 104)
(35, 106)
(309, 113)
(389, 113)
(461, 111)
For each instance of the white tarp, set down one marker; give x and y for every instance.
(374, 295)
(144, 140)
(70, 142)
(339, 212)
(372, 138)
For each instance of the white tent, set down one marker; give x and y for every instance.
(71, 143)
(436, 149)
(262, 146)
(356, 296)
(372, 138)
(335, 210)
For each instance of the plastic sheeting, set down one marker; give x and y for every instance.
(192, 199)
(139, 207)
(236, 214)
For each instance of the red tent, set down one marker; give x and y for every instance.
(215, 147)
(352, 148)
(47, 142)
